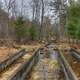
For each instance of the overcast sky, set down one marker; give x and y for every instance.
(28, 10)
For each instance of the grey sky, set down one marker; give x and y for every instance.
(27, 8)
(27, 11)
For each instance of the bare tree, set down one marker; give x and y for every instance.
(59, 8)
(42, 16)
(8, 7)
(36, 10)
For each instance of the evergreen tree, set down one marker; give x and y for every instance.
(20, 28)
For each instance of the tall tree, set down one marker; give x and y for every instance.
(42, 16)
(8, 6)
(20, 28)
(59, 8)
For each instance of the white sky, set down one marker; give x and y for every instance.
(28, 11)
(75, 0)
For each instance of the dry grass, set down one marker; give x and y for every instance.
(31, 48)
(5, 52)
(63, 46)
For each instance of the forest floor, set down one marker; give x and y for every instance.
(6, 52)
(73, 62)
(67, 46)
(63, 46)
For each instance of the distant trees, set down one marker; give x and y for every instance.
(42, 17)
(59, 13)
(37, 27)
(24, 30)
(8, 7)
(47, 29)
(38, 14)
(20, 28)
(3, 23)
(33, 32)
(73, 21)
